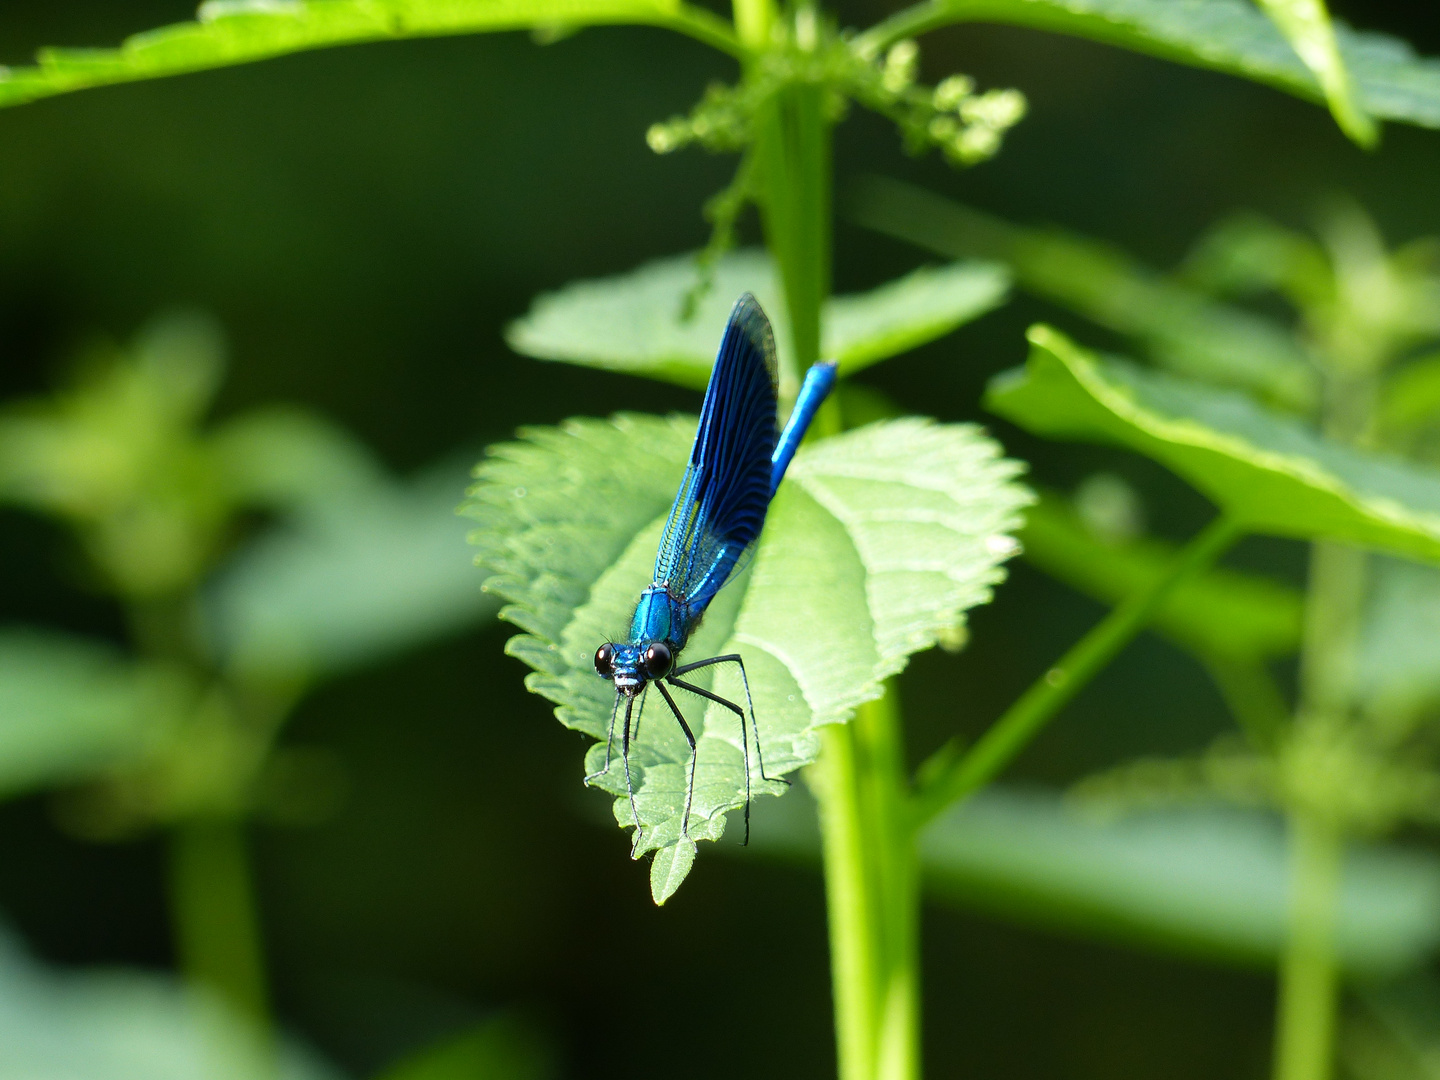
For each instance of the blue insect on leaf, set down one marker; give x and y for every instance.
(736, 465)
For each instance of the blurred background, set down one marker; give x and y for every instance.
(362, 223)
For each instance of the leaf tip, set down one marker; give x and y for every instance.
(669, 868)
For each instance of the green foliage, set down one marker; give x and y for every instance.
(1203, 880)
(503, 1048)
(1218, 612)
(1177, 326)
(129, 1025)
(355, 579)
(1398, 664)
(239, 31)
(967, 127)
(121, 454)
(634, 322)
(352, 567)
(1362, 306)
(1389, 81)
(1409, 407)
(116, 455)
(1306, 25)
(882, 537)
(1270, 473)
(70, 708)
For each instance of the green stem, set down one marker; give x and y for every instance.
(854, 962)
(1308, 981)
(1332, 627)
(217, 928)
(948, 775)
(871, 876)
(1253, 698)
(707, 27)
(872, 891)
(792, 160)
(753, 21)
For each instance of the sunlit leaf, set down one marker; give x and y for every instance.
(71, 707)
(633, 322)
(1271, 473)
(1179, 327)
(230, 32)
(1206, 881)
(374, 573)
(926, 304)
(129, 1025)
(878, 542)
(1306, 24)
(1217, 613)
(1389, 80)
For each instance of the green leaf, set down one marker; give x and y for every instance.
(378, 571)
(1178, 327)
(1269, 472)
(130, 1025)
(292, 460)
(877, 543)
(1217, 613)
(228, 32)
(669, 869)
(1410, 401)
(1306, 25)
(1208, 879)
(70, 708)
(924, 305)
(502, 1048)
(1205, 881)
(1389, 80)
(632, 322)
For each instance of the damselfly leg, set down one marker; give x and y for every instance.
(689, 738)
(629, 784)
(609, 745)
(730, 658)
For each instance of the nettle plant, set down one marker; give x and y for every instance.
(251, 558)
(885, 534)
(1324, 417)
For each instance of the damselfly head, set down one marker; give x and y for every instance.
(632, 667)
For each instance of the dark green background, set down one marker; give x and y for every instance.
(364, 221)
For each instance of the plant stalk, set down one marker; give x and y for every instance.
(217, 927)
(1335, 600)
(792, 159)
(872, 889)
(1308, 978)
(868, 840)
(949, 775)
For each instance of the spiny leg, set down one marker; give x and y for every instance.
(629, 785)
(694, 755)
(744, 739)
(734, 658)
(744, 734)
(609, 743)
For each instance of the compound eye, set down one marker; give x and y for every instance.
(605, 661)
(657, 660)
